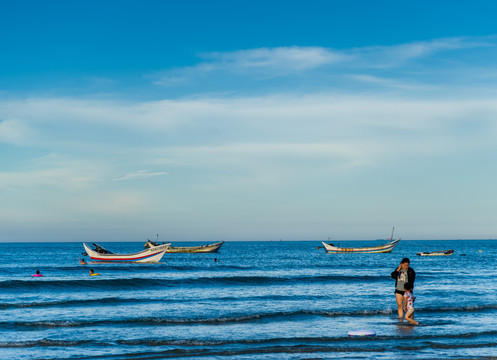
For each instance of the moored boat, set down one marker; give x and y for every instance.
(436, 253)
(385, 248)
(209, 248)
(150, 255)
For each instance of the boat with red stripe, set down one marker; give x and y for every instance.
(150, 255)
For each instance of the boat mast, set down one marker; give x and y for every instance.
(391, 236)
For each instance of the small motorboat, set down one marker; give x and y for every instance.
(150, 255)
(436, 253)
(209, 248)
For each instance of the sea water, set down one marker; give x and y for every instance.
(252, 300)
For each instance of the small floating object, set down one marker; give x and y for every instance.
(361, 332)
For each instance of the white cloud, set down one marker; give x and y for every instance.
(282, 60)
(322, 124)
(140, 174)
(261, 63)
(386, 83)
(397, 55)
(266, 63)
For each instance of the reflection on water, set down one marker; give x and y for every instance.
(404, 328)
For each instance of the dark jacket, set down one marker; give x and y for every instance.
(411, 276)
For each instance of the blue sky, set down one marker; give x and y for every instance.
(247, 120)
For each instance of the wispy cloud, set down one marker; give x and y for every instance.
(280, 62)
(140, 174)
(398, 55)
(269, 124)
(261, 63)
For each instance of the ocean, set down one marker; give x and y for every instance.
(252, 300)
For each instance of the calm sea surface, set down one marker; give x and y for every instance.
(259, 300)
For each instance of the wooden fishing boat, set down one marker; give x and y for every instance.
(209, 248)
(436, 253)
(385, 248)
(150, 255)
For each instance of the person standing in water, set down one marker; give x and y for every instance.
(409, 303)
(403, 274)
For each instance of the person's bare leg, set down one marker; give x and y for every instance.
(410, 318)
(400, 308)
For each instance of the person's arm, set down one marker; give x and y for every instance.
(413, 276)
(395, 273)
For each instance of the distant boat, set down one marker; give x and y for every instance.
(150, 255)
(209, 248)
(386, 248)
(436, 253)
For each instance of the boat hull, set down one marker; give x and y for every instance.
(151, 255)
(436, 253)
(211, 248)
(386, 248)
